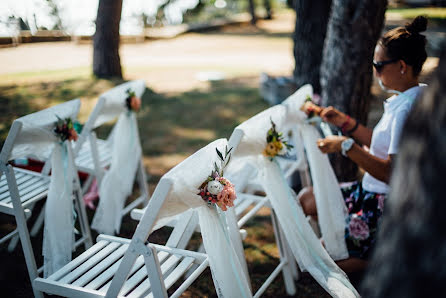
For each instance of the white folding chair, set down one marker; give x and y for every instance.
(96, 156)
(296, 236)
(133, 268)
(236, 217)
(32, 136)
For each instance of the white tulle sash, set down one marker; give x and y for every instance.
(58, 237)
(229, 277)
(117, 183)
(303, 242)
(329, 201)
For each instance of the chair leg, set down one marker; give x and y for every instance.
(87, 184)
(15, 239)
(23, 229)
(286, 271)
(83, 220)
(38, 223)
(291, 261)
(142, 182)
(236, 240)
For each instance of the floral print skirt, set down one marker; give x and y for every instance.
(364, 212)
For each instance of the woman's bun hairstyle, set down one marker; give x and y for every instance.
(407, 44)
(419, 24)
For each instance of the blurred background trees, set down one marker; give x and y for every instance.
(308, 38)
(346, 70)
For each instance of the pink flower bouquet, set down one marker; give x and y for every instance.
(217, 190)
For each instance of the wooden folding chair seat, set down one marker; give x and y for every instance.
(91, 274)
(20, 189)
(32, 187)
(85, 161)
(134, 268)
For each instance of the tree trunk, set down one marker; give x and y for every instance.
(346, 72)
(252, 11)
(268, 11)
(106, 61)
(309, 34)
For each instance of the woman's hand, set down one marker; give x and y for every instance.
(333, 116)
(310, 108)
(331, 144)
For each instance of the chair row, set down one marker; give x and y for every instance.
(49, 136)
(135, 268)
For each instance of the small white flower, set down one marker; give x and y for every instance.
(214, 187)
(283, 150)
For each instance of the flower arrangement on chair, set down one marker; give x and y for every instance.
(132, 102)
(310, 108)
(275, 144)
(65, 130)
(216, 189)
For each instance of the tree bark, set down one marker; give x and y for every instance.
(309, 34)
(268, 11)
(346, 71)
(106, 60)
(252, 11)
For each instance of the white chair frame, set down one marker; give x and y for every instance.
(93, 155)
(20, 190)
(117, 266)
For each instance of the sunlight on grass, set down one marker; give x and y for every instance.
(81, 73)
(204, 134)
(410, 13)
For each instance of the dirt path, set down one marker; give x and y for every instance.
(179, 64)
(176, 64)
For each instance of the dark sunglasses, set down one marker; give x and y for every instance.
(380, 64)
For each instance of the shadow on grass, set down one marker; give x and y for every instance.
(23, 99)
(186, 122)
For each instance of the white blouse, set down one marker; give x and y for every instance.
(387, 132)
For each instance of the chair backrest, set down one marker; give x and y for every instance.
(113, 101)
(108, 107)
(32, 135)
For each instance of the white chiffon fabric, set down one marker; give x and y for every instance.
(58, 233)
(37, 139)
(227, 272)
(304, 244)
(329, 201)
(117, 183)
(115, 101)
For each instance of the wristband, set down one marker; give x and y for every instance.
(354, 128)
(344, 125)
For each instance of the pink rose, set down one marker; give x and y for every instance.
(358, 228)
(72, 135)
(135, 103)
(227, 196)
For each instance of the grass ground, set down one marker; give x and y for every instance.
(180, 113)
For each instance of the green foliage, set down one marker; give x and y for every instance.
(438, 13)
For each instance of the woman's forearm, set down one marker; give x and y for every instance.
(362, 135)
(377, 167)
